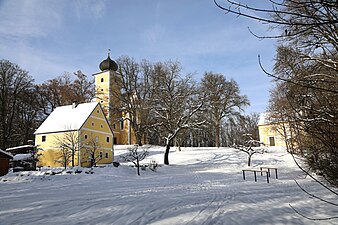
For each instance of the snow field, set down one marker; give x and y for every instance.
(201, 186)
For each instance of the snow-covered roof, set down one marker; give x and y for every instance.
(263, 119)
(19, 157)
(66, 118)
(6, 153)
(19, 147)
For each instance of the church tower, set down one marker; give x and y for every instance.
(108, 93)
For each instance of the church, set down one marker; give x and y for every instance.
(85, 134)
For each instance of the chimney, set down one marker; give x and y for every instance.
(74, 104)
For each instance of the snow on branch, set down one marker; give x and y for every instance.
(135, 157)
(314, 196)
(250, 147)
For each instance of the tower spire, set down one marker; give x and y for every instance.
(108, 64)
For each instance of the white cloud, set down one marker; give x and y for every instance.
(28, 18)
(40, 64)
(153, 34)
(95, 8)
(202, 37)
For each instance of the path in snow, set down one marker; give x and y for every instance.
(201, 186)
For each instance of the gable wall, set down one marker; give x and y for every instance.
(96, 128)
(269, 130)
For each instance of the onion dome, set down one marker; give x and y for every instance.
(108, 64)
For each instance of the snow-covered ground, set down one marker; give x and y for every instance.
(201, 186)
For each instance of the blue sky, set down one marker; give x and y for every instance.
(49, 37)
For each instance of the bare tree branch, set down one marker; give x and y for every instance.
(311, 218)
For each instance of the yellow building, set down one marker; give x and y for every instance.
(272, 134)
(108, 93)
(79, 127)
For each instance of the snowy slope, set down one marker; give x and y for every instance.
(201, 186)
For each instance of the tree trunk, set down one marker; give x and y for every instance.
(177, 144)
(139, 138)
(166, 154)
(73, 158)
(138, 166)
(65, 163)
(92, 159)
(217, 127)
(249, 160)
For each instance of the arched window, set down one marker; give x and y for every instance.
(121, 124)
(102, 79)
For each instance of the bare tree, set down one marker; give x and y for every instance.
(135, 157)
(92, 149)
(135, 94)
(326, 186)
(55, 92)
(316, 19)
(16, 102)
(306, 71)
(70, 141)
(83, 88)
(309, 111)
(174, 102)
(64, 156)
(64, 90)
(250, 147)
(222, 100)
(237, 126)
(281, 117)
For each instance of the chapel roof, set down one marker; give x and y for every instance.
(263, 119)
(67, 118)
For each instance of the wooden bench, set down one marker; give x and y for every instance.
(267, 168)
(255, 174)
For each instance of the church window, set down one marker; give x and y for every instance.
(121, 124)
(107, 155)
(86, 137)
(102, 79)
(43, 138)
(101, 155)
(108, 139)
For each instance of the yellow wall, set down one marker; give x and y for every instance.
(104, 95)
(271, 130)
(94, 129)
(102, 90)
(50, 148)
